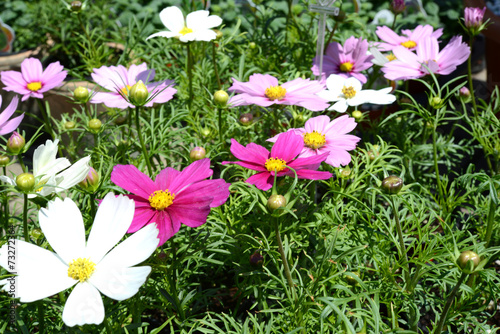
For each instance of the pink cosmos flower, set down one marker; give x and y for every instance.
(33, 81)
(322, 136)
(282, 155)
(118, 80)
(7, 126)
(264, 90)
(409, 65)
(410, 38)
(347, 61)
(473, 17)
(174, 197)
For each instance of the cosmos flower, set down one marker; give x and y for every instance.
(347, 61)
(264, 90)
(33, 81)
(473, 17)
(427, 59)
(6, 125)
(347, 92)
(410, 38)
(283, 155)
(93, 266)
(173, 198)
(119, 81)
(321, 135)
(196, 27)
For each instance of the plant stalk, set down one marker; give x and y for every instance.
(402, 247)
(216, 71)
(141, 140)
(449, 301)
(25, 218)
(490, 221)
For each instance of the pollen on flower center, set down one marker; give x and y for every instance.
(81, 269)
(275, 93)
(314, 139)
(390, 57)
(346, 67)
(349, 92)
(125, 90)
(185, 31)
(409, 44)
(34, 86)
(275, 164)
(160, 200)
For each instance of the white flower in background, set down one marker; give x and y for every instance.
(93, 265)
(379, 58)
(196, 27)
(347, 92)
(51, 174)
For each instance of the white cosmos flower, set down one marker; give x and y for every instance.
(380, 59)
(42, 273)
(347, 92)
(196, 27)
(51, 174)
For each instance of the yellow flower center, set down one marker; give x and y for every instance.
(34, 86)
(349, 92)
(185, 31)
(81, 269)
(409, 44)
(346, 67)
(275, 93)
(391, 57)
(275, 164)
(314, 139)
(160, 200)
(125, 90)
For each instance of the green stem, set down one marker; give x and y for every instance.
(21, 162)
(143, 146)
(491, 219)
(190, 74)
(46, 119)
(93, 209)
(285, 262)
(219, 110)
(402, 247)
(449, 301)
(215, 66)
(469, 72)
(331, 35)
(394, 22)
(436, 167)
(86, 34)
(25, 218)
(172, 281)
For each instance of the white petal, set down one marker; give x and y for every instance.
(340, 106)
(73, 175)
(204, 35)
(172, 18)
(167, 34)
(329, 95)
(7, 180)
(44, 159)
(63, 227)
(120, 283)
(84, 306)
(335, 83)
(40, 273)
(112, 221)
(354, 83)
(196, 20)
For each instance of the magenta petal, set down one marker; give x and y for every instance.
(288, 146)
(313, 174)
(218, 190)
(249, 165)
(263, 181)
(167, 225)
(252, 153)
(142, 217)
(165, 177)
(190, 215)
(133, 180)
(307, 162)
(197, 171)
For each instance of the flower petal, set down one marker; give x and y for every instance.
(195, 172)
(287, 147)
(84, 306)
(121, 283)
(133, 180)
(173, 19)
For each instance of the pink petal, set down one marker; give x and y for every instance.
(14, 82)
(165, 178)
(31, 69)
(167, 225)
(192, 211)
(133, 180)
(313, 175)
(52, 77)
(197, 171)
(287, 147)
(263, 181)
(218, 190)
(9, 111)
(11, 125)
(252, 153)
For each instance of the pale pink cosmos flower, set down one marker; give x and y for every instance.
(473, 17)
(321, 135)
(264, 90)
(283, 155)
(428, 58)
(409, 39)
(347, 61)
(33, 81)
(119, 80)
(6, 125)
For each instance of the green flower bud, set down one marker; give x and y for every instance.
(81, 94)
(252, 45)
(436, 102)
(300, 118)
(218, 33)
(95, 125)
(138, 94)
(16, 142)
(297, 9)
(76, 6)
(69, 125)
(36, 233)
(221, 98)
(468, 261)
(256, 259)
(276, 201)
(197, 153)
(205, 132)
(357, 114)
(345, 173)
(4, 160)
(120, 120)
(392, 184)
(25, 182)
(351, 280)
(246, 119)
(91, 181)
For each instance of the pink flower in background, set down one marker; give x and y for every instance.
(174, 197)
(283, 154)
(6, 125)
(410, 38)
(427, 59)
(264, 90)
(119, 80)
(321, 135)
(473, 17)
(33, 81)
(347, 61)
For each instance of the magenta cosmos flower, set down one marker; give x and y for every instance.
(347, 61)
(173, 198)
(409, 39)
(33, 81)
(282, 155)
(264, 90)
(6, 125)
(119, 80)
(322, 136)
(428, 58)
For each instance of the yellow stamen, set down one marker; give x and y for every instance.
(409, 44)
(81, 269)
(275, 164)
(125, 90)
(160, 200)
(314, 139)
(349, 92)
(391, 57)
(275, 93)
(185, 31)
(34, 86)
(346, 67)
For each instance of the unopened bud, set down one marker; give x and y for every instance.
(276, 201)
(256, 259)
(138, 94)
(16, 142)
(81, 94)
(398, 6)
(345, 173)
(340, 17)
(36, 233)
(25, 182)
(351, 280)
(197, 153)
(69, 125)
(246, 119)
(392, 184)
(4, 160)
(252, 45)
(468, 261)
(357, 114)
(299, 118)
(76, 6)
(120, 120)
(218, 33)
(464, 94)
(436, 102)
(205, 132)
(221, 98)
(95, 125)
(91, 181)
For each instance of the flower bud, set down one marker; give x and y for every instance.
(91, 181)
(205, 132)
(246, 119)
(25, 182)
(373, 153)
(297, 9)
(218, 33)
(464, 94)
(252, 45)
(95, 125)
(276, 201)
(138, 94)
(357, 114)
(76, 6)
(16, 142)
(4, 160)
(221, 98)
(162, 256)
(81, 94)
(120, 120)
(468, 261)
(473, 19)
(351, 280)
(398, 6)
(256, 259)
(392, 184)
(69, 125)
(36, 233)
(345, 173)
(436, 102)
(197, 153)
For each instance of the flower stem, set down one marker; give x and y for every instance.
(219, 110)
(46, 120)
(25, 218)
(436, 167)
(21, 162)
(402, 247)
(215, 66)
(141, 140)
(86, 34)
(469, 73)
(451, 297)
(490, 220)
(285, 262)
(190, 74)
